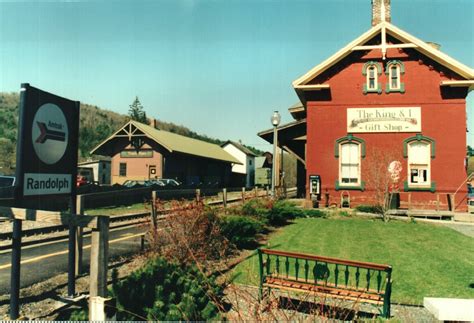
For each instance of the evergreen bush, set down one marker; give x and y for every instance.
(282, 211)
(164, 291)
(241, 230)
(256, 207)
(167, 291)
(314, 213)
(368, 209)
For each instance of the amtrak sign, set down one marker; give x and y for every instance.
(49, 133)
(47, 145)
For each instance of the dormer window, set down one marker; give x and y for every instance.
(372, 70)
(394, 77)
(394, 71)
(371, 78)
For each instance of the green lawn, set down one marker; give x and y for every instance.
(427, 260)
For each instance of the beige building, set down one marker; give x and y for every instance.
(142, 152)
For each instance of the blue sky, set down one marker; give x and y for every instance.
(217, 67)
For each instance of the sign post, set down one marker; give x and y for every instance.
(46, 165)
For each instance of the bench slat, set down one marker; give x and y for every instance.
(341, 294)
(284, 282)
(291, 279)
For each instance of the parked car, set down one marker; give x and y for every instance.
(129, 183)
(170, 182)
(7, 181)
(81, 181)
(157, 182)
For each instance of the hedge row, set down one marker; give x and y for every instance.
(256, 215)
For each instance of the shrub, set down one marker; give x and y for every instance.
(241, 230)
(79, 315)
(344, 213)
(282, 211)
(314, 213)
(256, 207)
(190, 233)
(167, 291)
(368, 208)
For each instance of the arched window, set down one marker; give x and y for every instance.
(419, 158)
(349, 164)
(350, 151)
(371, 78)
(394, 71)
(394, 76)
(419, 151)
(371, 71)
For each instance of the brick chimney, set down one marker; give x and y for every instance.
(377, 14)
(153, 123)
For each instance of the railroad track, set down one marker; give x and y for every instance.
(116, 222)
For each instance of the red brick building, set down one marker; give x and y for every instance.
(386, 101)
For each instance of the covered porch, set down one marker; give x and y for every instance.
(291, 138)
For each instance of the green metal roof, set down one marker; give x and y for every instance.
(176, 143)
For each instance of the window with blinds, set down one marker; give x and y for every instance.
(349, 164)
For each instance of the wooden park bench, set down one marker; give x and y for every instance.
(323, 276)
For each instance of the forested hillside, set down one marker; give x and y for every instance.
(96, 124)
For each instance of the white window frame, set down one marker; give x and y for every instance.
(341, 162)
(376, 77)
(390, 76)
(417, 166)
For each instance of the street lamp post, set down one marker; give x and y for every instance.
(275, 122)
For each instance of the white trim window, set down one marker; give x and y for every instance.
(372, 77)
(349, 164)
(394, 76)
(419, 168)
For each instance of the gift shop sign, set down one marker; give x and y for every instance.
(384, 120)
(47, 145)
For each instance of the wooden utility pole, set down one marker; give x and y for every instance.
(224, 197)
(153, 209)
(79, 234)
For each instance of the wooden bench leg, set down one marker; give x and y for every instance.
(386, 301)
(261, 265)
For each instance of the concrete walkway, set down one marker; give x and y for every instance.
(450, 309)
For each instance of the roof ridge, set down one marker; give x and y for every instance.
(396, 32)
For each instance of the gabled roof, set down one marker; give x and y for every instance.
(282, 127)
(170, 141)
(408, 40)
(297, 111)
(240, 147)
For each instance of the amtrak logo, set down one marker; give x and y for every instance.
(49, 133)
